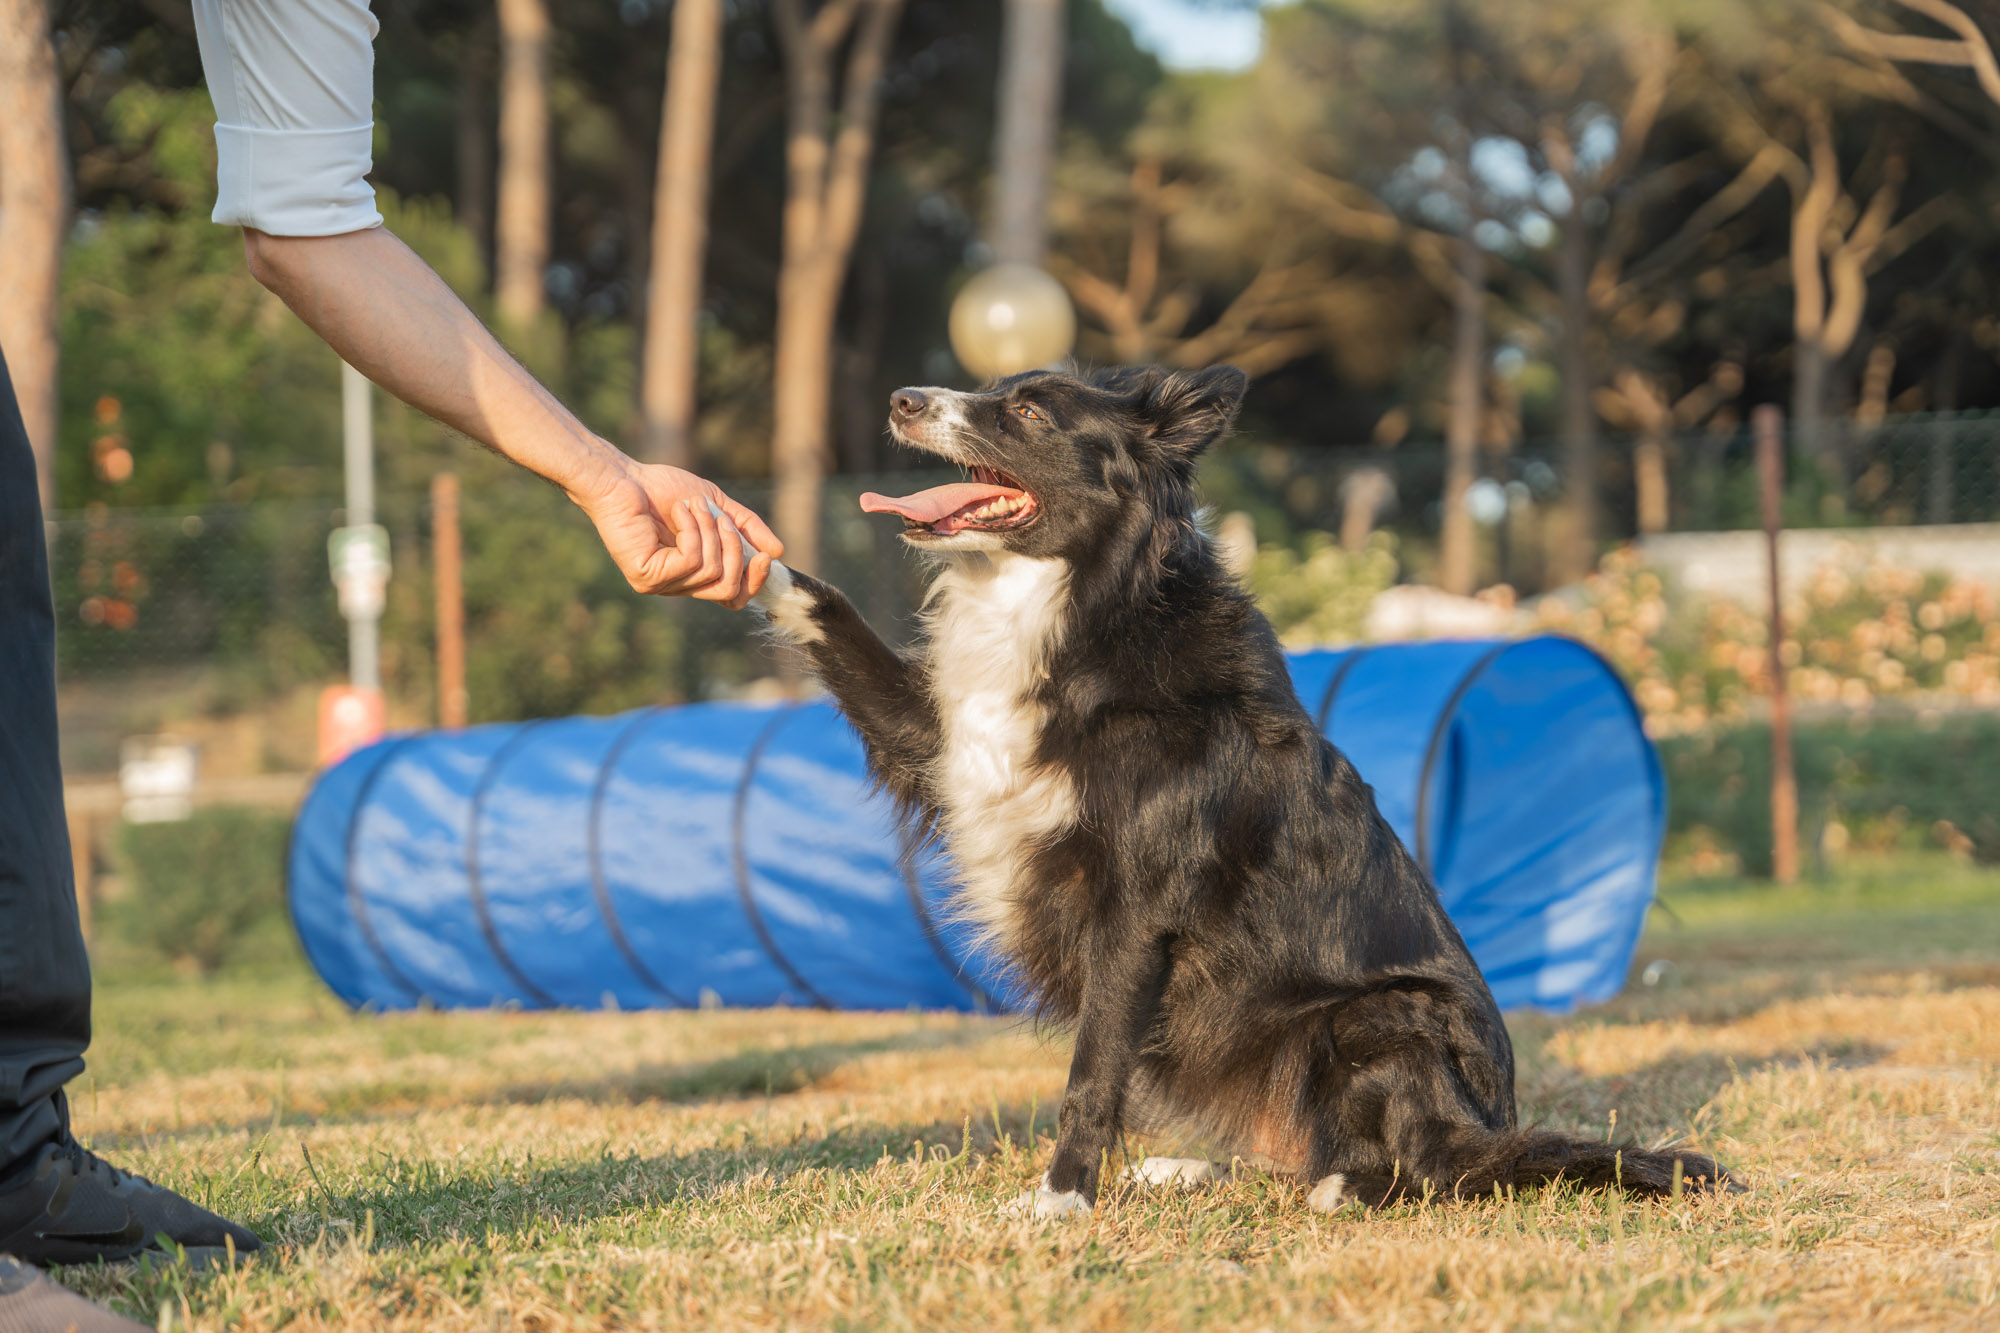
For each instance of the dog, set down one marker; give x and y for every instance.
(1150, 829)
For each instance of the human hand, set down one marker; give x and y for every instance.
(673, 534)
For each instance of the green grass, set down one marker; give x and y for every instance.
(1838, 1043)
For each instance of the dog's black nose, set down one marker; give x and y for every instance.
(908, 402)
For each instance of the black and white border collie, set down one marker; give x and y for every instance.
(1150, 828)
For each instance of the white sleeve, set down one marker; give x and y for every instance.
(293, 83)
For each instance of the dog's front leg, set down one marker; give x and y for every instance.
(876, 687)
(1121, 998)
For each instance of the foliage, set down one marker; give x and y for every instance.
(1858, 633)
(173, 353)
(200, 887)
(1319, 593)
(1864, 786)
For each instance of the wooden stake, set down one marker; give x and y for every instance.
(81, 851)
(1769, 425)
(450, 601)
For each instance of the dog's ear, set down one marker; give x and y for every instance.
(1188, 410)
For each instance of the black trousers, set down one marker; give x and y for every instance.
(44, 972)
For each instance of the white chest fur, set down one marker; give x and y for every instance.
(992, 623)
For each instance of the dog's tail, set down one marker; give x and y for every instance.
(1483, 1160)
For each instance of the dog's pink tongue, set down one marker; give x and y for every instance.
(938, 502)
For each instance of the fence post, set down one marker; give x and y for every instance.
(1768, 423)
(364, 627)
(447, 571)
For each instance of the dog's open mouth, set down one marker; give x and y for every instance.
(991, 502)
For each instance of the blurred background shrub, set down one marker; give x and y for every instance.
(1890, 784)
(202, 892)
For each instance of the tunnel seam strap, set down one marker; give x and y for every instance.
(599, 886)
(291, 887)
(1436, 746)
(1655, 774)
(357, 906)
(475, 888)
(1354, 656)
(741, 860)
(906, 863)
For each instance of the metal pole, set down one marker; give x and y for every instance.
(450, 601)
(1768, 423)
(364, 653)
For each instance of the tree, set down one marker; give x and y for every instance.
(521, 224)
(1150, 314)
(680, 233)
(1968, 45)
(34, 211)
(473, 133)
(1414, 77)
(1031, 69)
(826, 179)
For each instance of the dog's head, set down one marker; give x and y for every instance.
(1055, 461)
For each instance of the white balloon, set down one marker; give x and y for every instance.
(1011, 318)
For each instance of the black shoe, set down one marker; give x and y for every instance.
(30, 1303)
(69, 1206)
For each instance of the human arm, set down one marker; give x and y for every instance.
(292, 82)
(392, 318)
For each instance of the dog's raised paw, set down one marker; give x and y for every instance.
(1179, 1172)
(1046, 1203)
(1330, 1195)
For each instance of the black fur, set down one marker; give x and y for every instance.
(1240, 941)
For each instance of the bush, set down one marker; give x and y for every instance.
(1874, 785)
(199, 888)
(1858, 633)
(1320, 594)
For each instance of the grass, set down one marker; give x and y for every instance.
(1838, 1044)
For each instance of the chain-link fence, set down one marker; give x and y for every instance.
(171, 620)
(176, 620)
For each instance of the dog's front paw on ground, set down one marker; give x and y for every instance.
(1176, 1172)
(1044, 1203)
(1330, 1195)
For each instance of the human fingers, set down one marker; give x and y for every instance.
(714, 546)
(753, 579)
(728, 585)
(751, 526)
(680, 565)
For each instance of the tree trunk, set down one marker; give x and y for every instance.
(857, 358)
(680, 234)
(1811, 210)
(1649, 479)
(475, 134)
(1808, 421)
(1944, 429)
(34, 210)
(825, 187)
(521, 231)
(1031, 77)
(1578, 553)
(1457, 555)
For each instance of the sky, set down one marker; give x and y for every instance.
(1187, 34)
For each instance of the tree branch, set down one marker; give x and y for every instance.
(1762, 168)
(1809, 215)
(1979, 54)
(861, 103)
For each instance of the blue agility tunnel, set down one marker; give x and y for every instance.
(737, 854)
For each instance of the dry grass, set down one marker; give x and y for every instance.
(1840, 1047)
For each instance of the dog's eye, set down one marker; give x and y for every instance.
(1028, 412)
